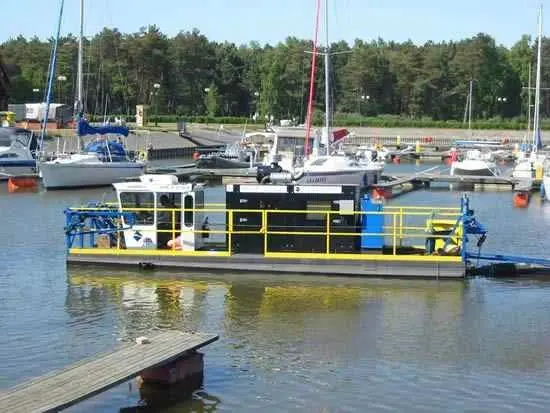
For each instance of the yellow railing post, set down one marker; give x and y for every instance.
(328, 233)
(230, 231)
(394, 233)
(400, 226)
(173, 212)
(264, 229)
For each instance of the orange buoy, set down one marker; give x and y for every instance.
(196, 156)
(521, 199)
(16, 184)
(381, 193)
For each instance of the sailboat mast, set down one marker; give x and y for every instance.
(327, 80)
(470, 106)
(51, 74)
(78, 104)
(529, 101)
(536, 119)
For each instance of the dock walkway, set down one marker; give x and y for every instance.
(80, 381)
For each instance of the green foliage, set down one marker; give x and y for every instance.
(421, 85)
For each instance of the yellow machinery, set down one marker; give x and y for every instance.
(7, 119)
(446, 236)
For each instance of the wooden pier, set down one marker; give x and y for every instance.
(80, 381)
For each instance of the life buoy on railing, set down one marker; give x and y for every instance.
(196, 156)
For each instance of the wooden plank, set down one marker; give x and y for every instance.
(80, 381)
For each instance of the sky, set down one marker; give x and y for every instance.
(271, 21)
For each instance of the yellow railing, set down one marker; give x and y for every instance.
(403, 227)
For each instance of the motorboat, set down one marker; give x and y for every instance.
(237, 155)
(18, 149)
(475, 163)
(338, 170)
(102, 162)
(527, 164)
(332, 169)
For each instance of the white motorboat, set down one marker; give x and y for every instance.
(475, 163)
(338, 170)
(18, 149)
(101, 163)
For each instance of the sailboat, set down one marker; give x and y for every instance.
(325, 165)
(528, 163)
(101, 162)
(475, 162)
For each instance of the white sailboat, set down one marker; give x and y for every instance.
(328, 168)
(100, 163)
(528, 162)
(475, 162)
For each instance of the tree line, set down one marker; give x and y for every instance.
(189, 75)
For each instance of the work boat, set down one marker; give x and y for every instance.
(297, 229)
(17, 152)
(475, 163)
(100, 163)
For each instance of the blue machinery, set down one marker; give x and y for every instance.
(473, 227)
(83, 226)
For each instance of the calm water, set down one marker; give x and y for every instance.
(314, 344)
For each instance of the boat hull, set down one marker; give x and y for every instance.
(361, 178)
(14, 169)
(477, 168)
(546, 183)
(67, 175)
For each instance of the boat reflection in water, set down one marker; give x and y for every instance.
(307, 343)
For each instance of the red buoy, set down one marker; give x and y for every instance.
(381, 193)
(521, 199)
(16, 184)
(397, 159)
(196, 156)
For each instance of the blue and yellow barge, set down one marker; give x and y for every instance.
(299, 229)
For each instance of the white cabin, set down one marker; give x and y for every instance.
(165, 210)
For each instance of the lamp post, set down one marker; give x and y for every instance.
(501, 100)
(362, 98)
(60, 80)
(156, 86)
(256, 114)
(35, 91)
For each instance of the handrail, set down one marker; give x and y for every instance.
(396, 228)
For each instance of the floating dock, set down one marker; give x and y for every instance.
(80, 381)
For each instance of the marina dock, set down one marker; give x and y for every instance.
(190, 173)
(82, 380)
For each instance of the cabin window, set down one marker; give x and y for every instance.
(165, 202)
(129, 200)
(188, 204)
(316, 210)
(9, 155)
